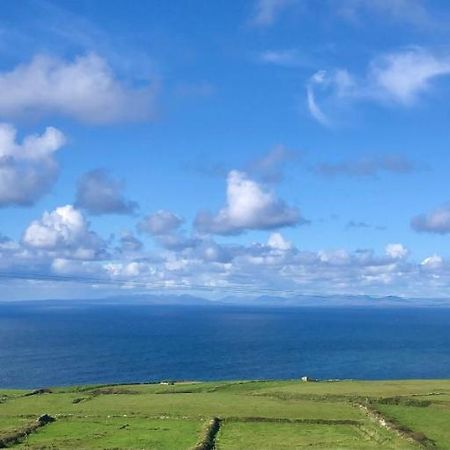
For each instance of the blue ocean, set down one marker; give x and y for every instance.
(65, 343)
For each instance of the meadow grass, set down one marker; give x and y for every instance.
(363, 388)
(182, 404)
(11, 423)
(274, 436)
(433, 421)
(76, 433)
(253, 415)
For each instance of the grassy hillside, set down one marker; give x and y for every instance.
(247, 415)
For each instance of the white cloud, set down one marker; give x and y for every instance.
(74, 268)
(432, 262)
(278, 242)
(314, 108)
(334, 257)
(401, 77)
(99, 193)
(267, 11)
(249, 206)
(27, 169)
(85, 89)
(437, 221)
(396, 251)
(128, 270)
(275, 267)
(398, 78)
(64, 231)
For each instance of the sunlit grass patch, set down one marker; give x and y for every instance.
(124, 432)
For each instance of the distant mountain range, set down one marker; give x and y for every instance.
(279, 301)
(262, 301)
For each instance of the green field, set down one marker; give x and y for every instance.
(249, 415)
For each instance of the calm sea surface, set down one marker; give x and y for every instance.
(61, 343)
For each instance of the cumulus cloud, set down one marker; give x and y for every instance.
(164, 226)
(398, 78)
(278, 242)
(64, 231)
(437, 221)
(28, 169)
(98, 193)
(273, 266)
(369, 166)
(267, 11)
(396, 251)
(161, 222)
(85, 89)
(249, 206)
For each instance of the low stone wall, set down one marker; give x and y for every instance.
(401, 430)
(294, 421)
(209, 439)
(17, 436)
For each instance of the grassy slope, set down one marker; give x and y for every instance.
(174, 417)
(433, 421)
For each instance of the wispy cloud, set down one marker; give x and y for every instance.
(285, 57)
(413, 12)
(394, 79)
(270, 167)
(313, 107)
(369, 166)
(266, 12)
(353, 224)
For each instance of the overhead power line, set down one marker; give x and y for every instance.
(236, 288)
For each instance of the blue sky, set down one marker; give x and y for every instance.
(285, 146)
